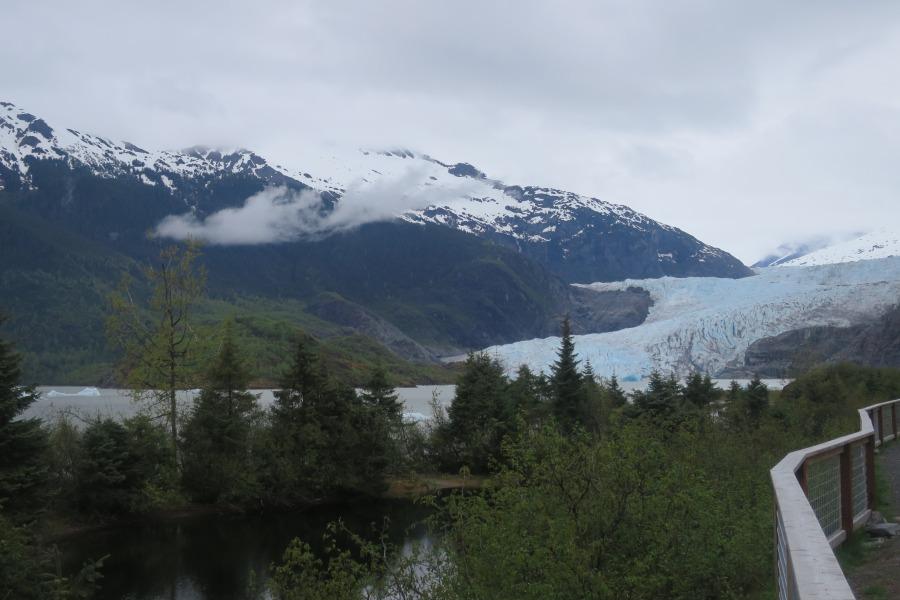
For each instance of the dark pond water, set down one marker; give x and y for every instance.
(211, 557)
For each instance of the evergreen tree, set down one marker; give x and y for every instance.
(756, 398)
(325, 440)
(699, 391)
(379, 393)
(661, 400)
(526, 395)
(217, 434)
(479, 413)
(597, 405)
(568, 398)
(300, 386)
(106, 479)
(588, 374)
(23, 471)
(615, 393)
(734, 392)
(295, 454)
(380, 398)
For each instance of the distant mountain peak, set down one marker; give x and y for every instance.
(873, 245)
(583, 238)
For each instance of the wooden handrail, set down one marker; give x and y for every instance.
(806, 567)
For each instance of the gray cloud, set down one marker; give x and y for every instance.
(748, 124)
(279, 214)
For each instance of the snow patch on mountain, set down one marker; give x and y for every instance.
(699, 324)
(869, 246)
(526, 213)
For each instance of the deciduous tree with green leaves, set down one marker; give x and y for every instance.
(156, 332)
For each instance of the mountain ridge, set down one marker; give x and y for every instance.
(583, 239)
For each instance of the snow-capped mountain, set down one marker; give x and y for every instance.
(869, 246)
(703, 324)
(788, 252)
(578, 237)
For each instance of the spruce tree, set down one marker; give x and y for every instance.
(525, 395)
(23, 473)
(380, 394)
(662, 399)
(479, 413)
(568, 396)
(597, 407)
(615, 392)
(293, 469)
(756, 399)
(699, 391)
(734, 392)
(216, 436)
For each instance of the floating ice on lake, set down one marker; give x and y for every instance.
(88, 391)
(414, 417)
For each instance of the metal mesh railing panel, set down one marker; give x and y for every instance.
(823, 481)
(858, 474)
(781, 560)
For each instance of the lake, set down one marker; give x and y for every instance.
(90, 401)
(211, 557)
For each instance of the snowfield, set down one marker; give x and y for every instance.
(873, 245)
(703, 323)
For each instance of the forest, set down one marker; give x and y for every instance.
(587, 491)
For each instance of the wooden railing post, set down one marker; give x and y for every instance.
(847, 489)
(881, 425)
(870, 472)
(894, 418)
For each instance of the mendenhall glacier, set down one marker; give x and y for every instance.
(704, 324)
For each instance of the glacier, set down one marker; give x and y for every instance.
(700, 324)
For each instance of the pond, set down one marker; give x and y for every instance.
(211, 557)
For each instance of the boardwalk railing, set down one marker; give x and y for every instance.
(822, 494)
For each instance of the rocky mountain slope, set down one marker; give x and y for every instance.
(873, 343)
(442, 260)
(577, 237)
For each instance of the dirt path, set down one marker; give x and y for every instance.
(877, 576)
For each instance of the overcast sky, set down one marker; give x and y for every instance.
(746, 123)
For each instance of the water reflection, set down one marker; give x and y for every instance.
(211, 557)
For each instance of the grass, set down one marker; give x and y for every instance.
(875, 592)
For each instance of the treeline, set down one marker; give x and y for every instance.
(489, 407)
(319, 441)
(663, 494)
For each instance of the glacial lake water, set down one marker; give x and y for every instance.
(88, 402)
